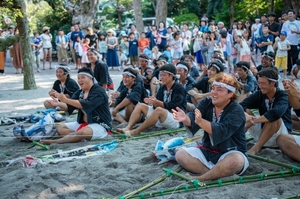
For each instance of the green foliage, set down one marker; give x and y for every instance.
(189, 18)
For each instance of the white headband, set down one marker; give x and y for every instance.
(182, 66)
(231, 88)
(140, 58)
(128, 73)
(244, 67)
(167, 72)
(273, 80)
(86, 74)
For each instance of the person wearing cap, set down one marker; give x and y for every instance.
(295, 69)
(283, 46)
(186, 81)
(157, 110)
(223, 147)
(93, 118)
(62, 41)
(46, 38)
(247, 82)
(204, 25)
(64, 84)
(274, 111)
(292, 28)
(130, 96)
(266, 61)
(202, 87)
(274, 27)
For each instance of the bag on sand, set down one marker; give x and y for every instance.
(43, 129)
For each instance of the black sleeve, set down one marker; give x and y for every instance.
(101, 73)
(135, 95)
(75, 96)
(177, 98)
(122, 95)
(281, 104)
(94, 99)
(56, 86)
(252, 101)
(71, 87)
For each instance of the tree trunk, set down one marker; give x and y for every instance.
(137, 7)
(161, 11)
(292, 4)
(22, 25)
(231, 19)
(84, 13)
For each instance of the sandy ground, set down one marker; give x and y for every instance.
(121, 171)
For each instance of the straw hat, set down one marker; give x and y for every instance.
(45, 28)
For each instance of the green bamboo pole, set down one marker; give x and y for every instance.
(273, 162)
(218, 183)
(292, 197)
(152, 134)
(295, 133)
(159, 180)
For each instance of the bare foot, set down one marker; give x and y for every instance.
(252, 151)
(122, 130)
(131, 132)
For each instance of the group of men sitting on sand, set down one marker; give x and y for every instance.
(169, 96)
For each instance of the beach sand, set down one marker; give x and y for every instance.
(121, 171)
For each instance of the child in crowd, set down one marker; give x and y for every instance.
(143, 42)
(245, 42)
(167, 53)
(102, 47)
(36, 46)
(177, 46)
(78, 52)
(124, 45)
(210, 40)
(281, 59)
(237, 47)
(85, 47)
(265, 40)
(295, 69)
(155, 53)
(133, 50)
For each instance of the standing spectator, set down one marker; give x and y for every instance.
(5, 42)
(284, 18)
(292, 28)
(274, 27)
(248, 27)
(143, 42)
(167, 53)
(264, 23)
(17, 55)
(133, 50)
(155, 54)
(186, 36)
(92, 37)
(124, 48)
(61, 41)
(265, 40)
(199, 57)
(239, 30)
(211, 43)
(112, 59)
(133, 30)
(245, 47)
(47, 46)
(71, 44)
(203, 25)
(255, 27)
(74, 35)
(162, 32)
(85, 47)
(11, 31)
(78, 52)
(36, 44)
(283, 46)
(102, 46)
(177, 46)
(152, 35)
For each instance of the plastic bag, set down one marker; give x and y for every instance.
(196, 46)
(185, 45)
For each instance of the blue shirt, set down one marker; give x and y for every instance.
(133, 47)
(168, 54)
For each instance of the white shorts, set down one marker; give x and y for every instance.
(169, 123)
(197, 153)
(255, 132)
(297, 139)
(98, 130)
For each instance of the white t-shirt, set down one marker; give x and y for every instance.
(292, 25)
(282, 45)
(46, 40)
(187, 35)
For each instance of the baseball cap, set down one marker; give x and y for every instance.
(283, 33)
